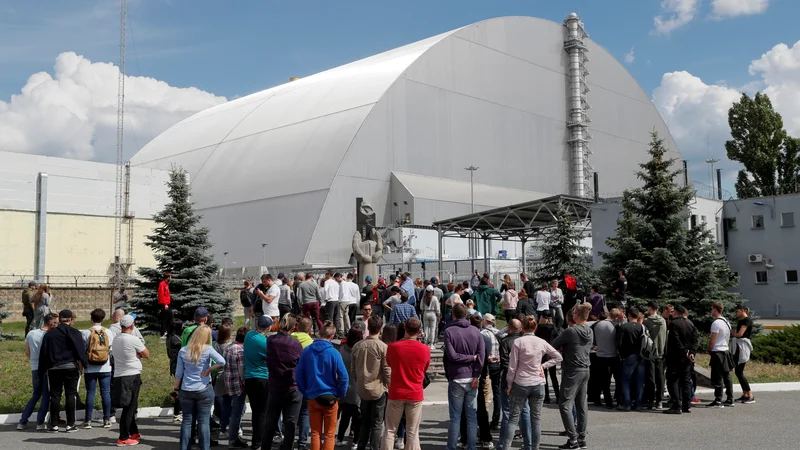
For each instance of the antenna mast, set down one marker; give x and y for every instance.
(118, 210)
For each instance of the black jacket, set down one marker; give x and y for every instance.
(629, 339)
(62, 344)
(681, 339)
(505, 351)
(526, 306)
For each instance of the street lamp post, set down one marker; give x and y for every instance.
(225, 267)
(712, 161)
(472, 170)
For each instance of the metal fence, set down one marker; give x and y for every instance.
(17, 280)
(459, 270)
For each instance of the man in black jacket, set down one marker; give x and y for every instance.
(63, 356)
(506, 344)
(681, 348)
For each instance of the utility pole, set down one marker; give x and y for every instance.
(226, 263)
(472, 249)
(712, 161)
(264, 260)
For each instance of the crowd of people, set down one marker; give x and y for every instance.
(369, 391)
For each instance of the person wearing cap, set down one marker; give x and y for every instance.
(437, 291)
(164, 303)
(431, 314)
(256, 374)
(127, 351)
(27, 305)
(63, 357)
(33, 345)
(200, 318)
(367, 294)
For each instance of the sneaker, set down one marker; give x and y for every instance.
(715, 404)
(278, 439)
(399, 445)
(672, 411)
(126, 442)
(569, 445)
(41, 427)
(488, 445)
(238, 443)
(340, 443)
(695, 400)
(659, 406)
(517, 436)
(106, 423)
(164, 336)
(583, 444)
(177, 418)
(749, 400)
(460, 445)
(52, 429)
(354, 446)
(113, 419)
(71, 429)
(136, 437)
(729, 403)
(223, 436)
(742, 398)
(22, 426)
(623, 408)
(87, 425)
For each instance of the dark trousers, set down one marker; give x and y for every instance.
(352, 309)
(595, 386)
(495, 371)
(332, 311)
(372, 412)
(166, 319)
(721, 375)
(66, 381)
(288, 405)
(551, 373)
(258, 394)
(127, 421)
(740, 374)
(484, 430)
(311, 310)
(653, 381)
(28, 321)
(284, 310)
(679, 383)
(607, 367)
(350, 415)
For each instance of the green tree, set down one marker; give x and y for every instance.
(179, 244)
(666, 260)
(761, 144)
(3, 314)
(562, 250)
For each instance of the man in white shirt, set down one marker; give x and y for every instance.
(116, 329)
(128, 351)
(98, 374)
(333, 292)
(33, 343)
(351, 294)
(543, 298)
(718, 349)
(270, 299)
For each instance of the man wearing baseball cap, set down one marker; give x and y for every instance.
(367, 296)
(127, 351)
(63, 357)
(200, 318)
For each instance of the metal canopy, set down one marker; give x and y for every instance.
(519, 222)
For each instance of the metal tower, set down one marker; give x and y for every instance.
(581, 182)
(119, 208)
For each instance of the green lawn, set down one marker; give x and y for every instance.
(758, 372)
(15, 374)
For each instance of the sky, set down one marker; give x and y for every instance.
(58, 79)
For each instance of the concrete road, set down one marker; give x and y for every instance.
(768, 424)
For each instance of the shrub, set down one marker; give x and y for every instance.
(779, 347)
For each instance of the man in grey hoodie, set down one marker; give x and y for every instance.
(575, 343)
(464, 354)
(654, 368)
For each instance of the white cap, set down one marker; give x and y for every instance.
(126, 321)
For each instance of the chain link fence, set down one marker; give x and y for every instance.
(88, 281)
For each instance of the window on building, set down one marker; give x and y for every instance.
(703, 219)
(730, 223)
(693, 221)
(758, 222)
(761, 277)
(787, 219)
(791, 276)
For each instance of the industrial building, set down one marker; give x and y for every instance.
(535, 105)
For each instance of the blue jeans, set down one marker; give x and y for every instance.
(525, 397)
(92, 380)
(632, 380)
(461, 396)
(197, 406)
(40, 390)
(525, 421)
(237, 403)
(225, 415)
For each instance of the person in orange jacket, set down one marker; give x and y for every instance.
(164, 303)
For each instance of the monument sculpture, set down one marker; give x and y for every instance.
(368, 253)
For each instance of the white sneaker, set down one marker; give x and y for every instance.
(399, 445)
(340, 443)
(41, 427)
(354, 447)
(106, 424)
(177, 418)
(113, 420)
(86, 425)
(22, 426)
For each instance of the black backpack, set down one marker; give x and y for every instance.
(258, 305)
(244, 297)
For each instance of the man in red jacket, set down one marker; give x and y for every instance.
(163, 304)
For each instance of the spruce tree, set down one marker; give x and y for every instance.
(3, 314)
(562, 250)
(179, 244)
(665, 259)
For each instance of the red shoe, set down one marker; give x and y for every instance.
(136, 437)
(126, 442)
(695, 400)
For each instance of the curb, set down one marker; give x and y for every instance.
(145, 413)
(775, 327)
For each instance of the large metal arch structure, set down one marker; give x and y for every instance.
(520, 222)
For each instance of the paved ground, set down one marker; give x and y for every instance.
(768, 424)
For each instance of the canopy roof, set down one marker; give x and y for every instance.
(521, 221)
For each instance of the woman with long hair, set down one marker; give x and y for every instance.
(196, 361)
(506, 283)
(510, 300)
(548, 332)
(744, 328)
(41, 305)
(349, 405)
(430, 316)
(526, 364)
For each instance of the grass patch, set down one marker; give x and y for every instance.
(758, 372)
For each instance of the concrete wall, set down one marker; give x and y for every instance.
(81, 301)
(779, 246)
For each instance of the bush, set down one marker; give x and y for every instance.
(779, 347)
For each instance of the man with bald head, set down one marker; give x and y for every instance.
(514, 332)
(117, 329)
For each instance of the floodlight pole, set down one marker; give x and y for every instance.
(472, 169)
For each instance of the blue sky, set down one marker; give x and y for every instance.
(234, 48)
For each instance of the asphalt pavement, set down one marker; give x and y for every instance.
(770, 423)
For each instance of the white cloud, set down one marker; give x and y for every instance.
(73, 113)
(630, 57)
(732, 8)
(676, 13)
(697, 113)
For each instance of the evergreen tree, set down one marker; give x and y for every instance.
(666, 260)
(179, 244)
(562, 250)
(3, 314)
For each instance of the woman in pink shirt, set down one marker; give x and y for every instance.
(510, 299)
(526, 379)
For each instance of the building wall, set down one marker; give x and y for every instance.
(777, 244)
(81, 301)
